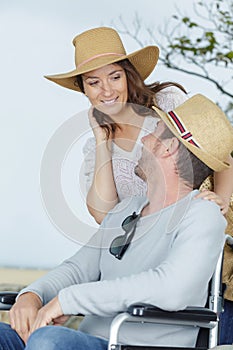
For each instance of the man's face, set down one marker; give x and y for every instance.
(153, 149)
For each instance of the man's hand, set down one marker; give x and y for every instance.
(51, 312)
(23, 313)
(59, 321)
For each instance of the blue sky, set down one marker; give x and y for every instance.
(36, 39)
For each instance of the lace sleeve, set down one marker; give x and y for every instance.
(170, 98)
(89, 161)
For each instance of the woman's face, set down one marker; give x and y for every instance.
(106, 88)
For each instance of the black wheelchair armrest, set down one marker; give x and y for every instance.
(7, 299)
(196, 314)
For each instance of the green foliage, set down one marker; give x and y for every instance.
(201, 46)
(213, 45)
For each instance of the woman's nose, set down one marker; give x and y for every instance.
(107, 88)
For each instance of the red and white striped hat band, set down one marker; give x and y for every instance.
(181, 128)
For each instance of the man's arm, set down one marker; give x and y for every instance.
(82, 267)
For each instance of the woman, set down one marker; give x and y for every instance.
(120, 115)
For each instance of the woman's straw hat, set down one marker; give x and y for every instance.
(204, 129)
(98, 47)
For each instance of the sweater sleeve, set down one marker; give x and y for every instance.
(82, 267)
(180, 280)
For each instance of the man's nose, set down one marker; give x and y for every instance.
(145, 137)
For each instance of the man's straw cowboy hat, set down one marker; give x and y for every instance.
(98, 47)
(204, 129)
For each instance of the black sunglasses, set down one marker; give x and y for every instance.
(121, 243)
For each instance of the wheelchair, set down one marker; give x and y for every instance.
(205, 318)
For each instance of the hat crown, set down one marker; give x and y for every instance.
(106, 43)
(98, 47)
(201, 117)
(204, 129)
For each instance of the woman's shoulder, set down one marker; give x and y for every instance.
(170, 97)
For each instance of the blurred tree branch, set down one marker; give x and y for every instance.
(202, 47)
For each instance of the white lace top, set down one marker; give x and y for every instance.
(123, 162)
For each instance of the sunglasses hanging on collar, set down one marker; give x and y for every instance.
(121, 243)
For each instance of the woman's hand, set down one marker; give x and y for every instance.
(96, 128)
(98, 131)
(212, 196)
(23, 313)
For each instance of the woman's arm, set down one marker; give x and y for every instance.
(223, 188)
(223, 185)
(102, 194)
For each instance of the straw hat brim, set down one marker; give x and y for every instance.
(143, 60)
(207, 158)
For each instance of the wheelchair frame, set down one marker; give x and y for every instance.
(203, 317)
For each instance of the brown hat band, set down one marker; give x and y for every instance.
(99, 55)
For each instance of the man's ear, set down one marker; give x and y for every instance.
(173, 146)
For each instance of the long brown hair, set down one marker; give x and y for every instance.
(140, 95)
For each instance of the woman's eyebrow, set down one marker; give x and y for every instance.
(89, 77)
(116, 71)
(96, 77)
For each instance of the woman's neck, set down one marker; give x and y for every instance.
(130, 125)
(127, 116)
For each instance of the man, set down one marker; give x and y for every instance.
(164, 253)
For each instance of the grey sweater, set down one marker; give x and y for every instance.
(168, 264)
